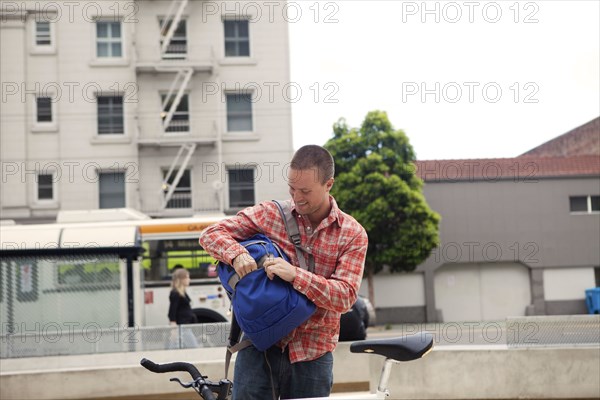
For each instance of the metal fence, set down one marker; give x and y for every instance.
(76, 304)
(47, 342)
(553, 331)
(513, 332)
(49, 294)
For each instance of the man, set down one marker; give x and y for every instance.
(301, 364)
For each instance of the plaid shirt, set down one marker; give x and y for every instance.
(339, 247)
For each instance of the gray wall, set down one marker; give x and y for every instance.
(518, 223)
(533, 215)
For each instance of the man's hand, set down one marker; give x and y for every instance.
(278, 266)
(244, 264)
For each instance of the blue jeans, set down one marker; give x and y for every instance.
(252, 375)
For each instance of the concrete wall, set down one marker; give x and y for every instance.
(446, 373)
(528, 220)
(496, 373)
(120, 375)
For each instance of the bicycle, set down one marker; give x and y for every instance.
(398, 349)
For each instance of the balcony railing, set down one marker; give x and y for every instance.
(179, 125)
(180, 200)
(175, 51)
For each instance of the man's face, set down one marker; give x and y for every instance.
(307, 191)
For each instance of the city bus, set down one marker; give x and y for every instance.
(105, 269)
(173, 243)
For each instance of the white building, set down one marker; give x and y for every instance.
(104, 105)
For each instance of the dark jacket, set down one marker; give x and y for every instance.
(180, 310)
(354, 323)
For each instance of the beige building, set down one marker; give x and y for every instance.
(173, 108)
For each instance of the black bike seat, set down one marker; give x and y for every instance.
(403, 348)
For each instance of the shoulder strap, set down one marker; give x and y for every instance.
(291, 227)
(234, 344)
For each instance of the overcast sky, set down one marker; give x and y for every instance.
(465, 79)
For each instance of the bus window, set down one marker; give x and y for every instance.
(85, 273)
(162, 255)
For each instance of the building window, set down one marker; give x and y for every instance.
(584, 204)
(177, 48)
(180, 122)
(108, 39)
(45, 187)
(110, 115)
(237, 40)
(239, 112)
(241, 187)
(595, 203)
(112, 189)
(44, 109)
(42, 33)
(182, 195)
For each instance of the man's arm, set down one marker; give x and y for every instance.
(221, 240)
(338, 292)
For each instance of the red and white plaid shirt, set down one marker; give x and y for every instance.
(339, 247)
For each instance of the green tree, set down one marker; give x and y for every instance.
(377, 185)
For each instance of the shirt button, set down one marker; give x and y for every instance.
(300, 287)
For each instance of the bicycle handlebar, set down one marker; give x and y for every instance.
(206, 393)
(204, 390)
(171, 367)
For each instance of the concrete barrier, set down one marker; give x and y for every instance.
(449, 372)
(119, 375)
(496, 372)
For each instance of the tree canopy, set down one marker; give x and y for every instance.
(376, 183)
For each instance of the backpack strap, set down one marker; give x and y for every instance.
(234, 345)
(293, 231)
(235, 278)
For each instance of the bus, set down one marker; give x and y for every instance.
(105, 269)
(171, 243)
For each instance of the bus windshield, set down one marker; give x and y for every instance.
(161, 256)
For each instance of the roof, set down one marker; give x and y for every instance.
(519, 168)
(583, 140)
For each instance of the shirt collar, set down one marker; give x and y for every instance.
(334, 213)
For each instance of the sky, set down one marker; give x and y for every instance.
(463, 79)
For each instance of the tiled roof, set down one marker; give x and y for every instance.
(583, 140)
(520, 168)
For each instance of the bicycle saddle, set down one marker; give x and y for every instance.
(403, 348)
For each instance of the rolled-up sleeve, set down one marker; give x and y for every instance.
(338, 292)
(221, 240)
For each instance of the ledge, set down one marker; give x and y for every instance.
(238, 61)
(109, 62)
(241, 137)
(110, 139)
(174, 142)
(173, 66)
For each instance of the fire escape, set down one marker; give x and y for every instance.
(173, 61)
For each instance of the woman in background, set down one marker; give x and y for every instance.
(180, 310)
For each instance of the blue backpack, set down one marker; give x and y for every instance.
(265, 310)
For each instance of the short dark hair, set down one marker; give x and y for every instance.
(311, 156)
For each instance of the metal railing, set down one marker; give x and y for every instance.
(54, 339)
(180, 200)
